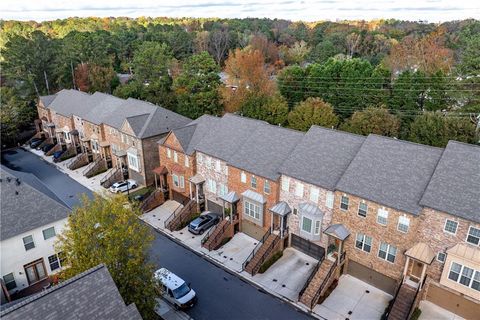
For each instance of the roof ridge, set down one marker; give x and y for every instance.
(52, 289)
(404, 141)
(337, 131)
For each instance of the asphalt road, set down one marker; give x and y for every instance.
(221, 295)
(62, 185)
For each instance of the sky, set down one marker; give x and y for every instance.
(306, 10)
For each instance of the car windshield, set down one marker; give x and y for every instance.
(181, 291)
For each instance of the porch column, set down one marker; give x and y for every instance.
(422, 276)
(406, 268)
(281, 226)
(155, 175)
(340, 250)
(231, 212)
(190, 189)
(196, 194)
(271, 220)
(223, 209)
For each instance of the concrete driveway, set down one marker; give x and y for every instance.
(431, 311)
(353, 299)
(288, 275)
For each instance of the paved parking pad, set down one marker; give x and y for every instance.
(353, 299)
(431, 311)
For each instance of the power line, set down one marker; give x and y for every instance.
(383, 89)
(307, 81)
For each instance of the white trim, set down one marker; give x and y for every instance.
(468, 233)
(405, 222)
(445, 225)
(445, 257)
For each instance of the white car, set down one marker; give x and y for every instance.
(175, 289)
(122, 186)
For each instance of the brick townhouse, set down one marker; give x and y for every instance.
(111, 132)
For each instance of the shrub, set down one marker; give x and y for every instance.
(270, 261)
(416, 314)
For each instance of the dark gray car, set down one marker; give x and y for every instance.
(202, 223)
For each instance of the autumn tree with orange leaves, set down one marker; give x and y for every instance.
(248, 76)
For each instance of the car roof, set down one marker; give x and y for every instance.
(168, 278)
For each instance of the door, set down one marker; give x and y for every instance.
(372, 277)
(416, 270)
(35, 271)
(453, 302)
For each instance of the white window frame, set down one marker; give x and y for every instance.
(444, 257)
(243, 177)
(311, 225)
(175, 180)
(222, 189)
(366, 209)
(218, 166)
(187, 163)
(251, 209)
(314, 194)
(200, 158)
(299, 190)
(208, 162)
(330, 199)
(445, 226)
(54, 233)
(212, 186)
(383, 214)
(347, 203)
(387, 252)
(285, 184)
(25, 244)
(57, 261)
(253, 182)
(317, 227)
(460, 274)
(403, 221)
(468, 234)
(169, 153)
(133, 162)
(175, 156)
(13, 280)
(266, 187)
(364, 243)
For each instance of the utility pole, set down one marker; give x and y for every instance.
(46, 81)
(73, 74)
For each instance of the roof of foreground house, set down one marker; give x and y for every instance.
(145, 119)
(89, 295)
(391, 172)
(322, 156)
(26, 204)
(455, 184)
(46, 100)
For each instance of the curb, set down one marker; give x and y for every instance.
(235, 273)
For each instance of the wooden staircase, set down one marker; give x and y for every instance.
(56, 148)
(155, 199)
(79, 161)
(178, 218)
(317, 285)
(265, 251)
(113, 176)
(213, 239)
(94, 168)
(403, 303)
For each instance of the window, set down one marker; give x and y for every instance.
(9, 280)
(454, 273)
(382, 216)
(387, 252)
(441, 256)
(176, 182)
(473, 235)
(218, 168)
(307, 224)
(317, 227)
(223, 190)
(208, 161)
(314, 193)
(476, 281)
(187, 164)
(28, 243)
(212, 186)
(54, 262)
(200, 158)
(299, 190)
(363, 242)
(403, 224)
(329, 200)
(362, 209)
(133, 162)
(252, 210)
(243, 177)
(344, 203)
(48, 233)
(253, 182)
(182, 182)
(285, 184)
(450, 226)
(266, 186)
(175, 156)
(169, 153)
(466, 276)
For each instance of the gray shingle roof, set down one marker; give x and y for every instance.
(230, 133)
(89, 295)
(46, 100)
(455, 184)
(322, 156)
(391, 172)
(265, 149)
(145, 118)
(27, 205)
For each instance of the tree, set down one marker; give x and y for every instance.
(296, 54)
(107, 231)
(196, 87)
(261, 43)
(218, 44)
(247, 75)
(323, 51)
(372, 120)
(273, 109)
(313, 111)
(101, 78)
(292, 83)
(435, 129)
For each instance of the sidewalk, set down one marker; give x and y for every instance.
(167, 312)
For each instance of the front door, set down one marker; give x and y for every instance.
(35, 271)
(416, 270)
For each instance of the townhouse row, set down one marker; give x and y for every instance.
(392, 213)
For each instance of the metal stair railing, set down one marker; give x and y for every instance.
(218, 235)
(310, 278)
(322, 286)
(265, 255)
(257, 247)
(106, 181)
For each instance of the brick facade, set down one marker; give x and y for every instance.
(208, 169)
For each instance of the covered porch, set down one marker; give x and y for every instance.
(419, 257)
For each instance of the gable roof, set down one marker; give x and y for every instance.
(89, 295)
(46, 100)
(26, 204)
(455, 184)
(69, 101)
(391, 172)
(265, 149)
(322, 156)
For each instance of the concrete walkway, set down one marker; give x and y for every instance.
(431, 311)
(167, 312)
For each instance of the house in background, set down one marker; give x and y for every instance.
(89, 295)
(32, 216)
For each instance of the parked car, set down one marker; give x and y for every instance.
(175, 289)
(36, 142)
(202, 223)
(47, 147)
(122, 186)
(57, 155)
